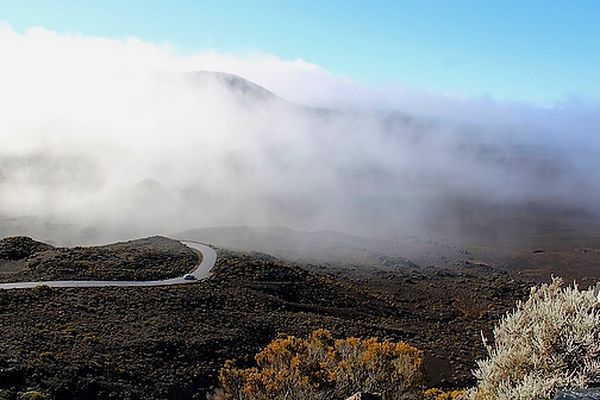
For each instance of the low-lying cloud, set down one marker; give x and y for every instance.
(123, 136)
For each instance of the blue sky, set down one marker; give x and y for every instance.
(527, 50)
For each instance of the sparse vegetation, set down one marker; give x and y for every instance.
(322, 367)
(23, 259)
(33, 395)
(20, 247)
(547, 343)
(438, 394)
(550, 342)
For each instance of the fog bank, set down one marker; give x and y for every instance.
(124, 138)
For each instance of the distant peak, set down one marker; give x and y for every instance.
(235, 83)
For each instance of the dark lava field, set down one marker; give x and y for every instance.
(169, 343)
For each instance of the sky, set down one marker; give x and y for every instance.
(541, 52)
(104, 126)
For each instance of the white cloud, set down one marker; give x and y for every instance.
(104, 131)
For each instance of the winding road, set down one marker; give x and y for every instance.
(209, 257)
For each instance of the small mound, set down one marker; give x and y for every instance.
(151, 258)
(20, 247)
(297, 287)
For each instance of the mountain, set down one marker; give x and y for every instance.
(215, 149)
(237, 85)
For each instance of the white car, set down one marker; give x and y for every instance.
(189, 277)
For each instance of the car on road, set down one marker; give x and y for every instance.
(189, 277)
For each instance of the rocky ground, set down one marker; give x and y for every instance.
(23, 259)
(168, 343)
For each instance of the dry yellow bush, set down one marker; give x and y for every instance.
(322, 367)
(438, 394)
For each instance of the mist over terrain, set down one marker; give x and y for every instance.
(104, 139)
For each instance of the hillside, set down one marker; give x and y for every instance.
(23, 259)
(169, 342)
(237, 85)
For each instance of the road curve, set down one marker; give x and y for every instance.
(209, 257)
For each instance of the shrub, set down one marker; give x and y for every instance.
(33, 395)
(322, 367)
(549, 342)
(438, 394)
